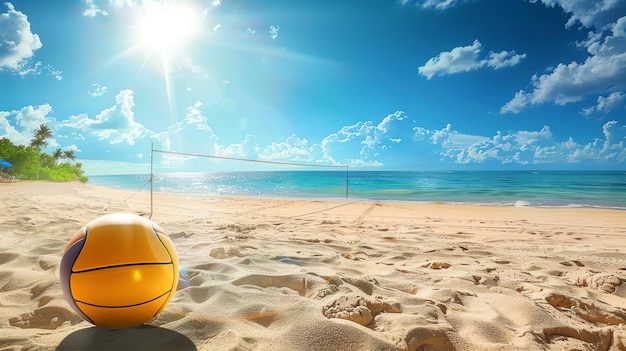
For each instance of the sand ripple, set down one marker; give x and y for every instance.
(269, 274)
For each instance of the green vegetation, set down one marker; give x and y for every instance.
(30, 163)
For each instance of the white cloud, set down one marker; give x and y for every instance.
(247, 149)
(504, 59)
(7, 130)
(459, 147)
(192, 134)
(116, 124)
(294, 149)
(26, 120)
(98, 90)
(37, 69)
(391, 139)
(397, 137)
(459, 59)
(57, 74)
(438, 4)
(17, 42)
(31, 69)
(30, 118)
(124, 3)
(614, 140)
(540, 147)
(92, 10)
(465, 59)
(606, 104)
(589, 13)
(396, 140)
(603, 70)
(274, 31)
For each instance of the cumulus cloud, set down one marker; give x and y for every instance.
(387, 142)
(274, 31)
(504, 59)
(92, 10)
(192, 134)
(19, 125)
(606, 104)
(398, 136)
(97, 90)
(115, 124)
(195, 127)
(57, 74)
(293, 149)
(589, 13)
(362, 144)
(430, 4)
(603, 70)
(248, 149)
(38, 68)
(366, 143)
(540, 147)
(467, 58)
(17, 42)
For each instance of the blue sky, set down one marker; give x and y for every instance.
(386, 85)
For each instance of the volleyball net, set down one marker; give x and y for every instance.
(268, 177)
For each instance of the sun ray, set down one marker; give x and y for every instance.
(163, 31)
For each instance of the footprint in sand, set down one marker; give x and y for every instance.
(589, 311)
(297, 282)
(47, 317)
(359, 309)
(603, 282)
(357, 256)
(437, 265)
(225, 252)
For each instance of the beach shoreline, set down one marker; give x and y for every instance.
(490, 188)
(264, 273)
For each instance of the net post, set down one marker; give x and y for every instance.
(151, 175)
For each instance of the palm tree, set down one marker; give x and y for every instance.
(69, 155)
(57, 155)
(42, 134)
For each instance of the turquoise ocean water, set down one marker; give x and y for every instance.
(504, 188)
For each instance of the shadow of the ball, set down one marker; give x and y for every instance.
(136, 339)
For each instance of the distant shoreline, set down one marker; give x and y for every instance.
(587, 189)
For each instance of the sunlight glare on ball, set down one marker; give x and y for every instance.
(137, 275)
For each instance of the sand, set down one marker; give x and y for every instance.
(289, 274)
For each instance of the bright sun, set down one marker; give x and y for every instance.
(167, 28)
(164, 30)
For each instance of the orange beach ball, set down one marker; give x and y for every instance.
(119, 271)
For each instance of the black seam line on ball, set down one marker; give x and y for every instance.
(122, 265)
(133, 305)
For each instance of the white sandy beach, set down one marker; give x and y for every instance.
(277, 274)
